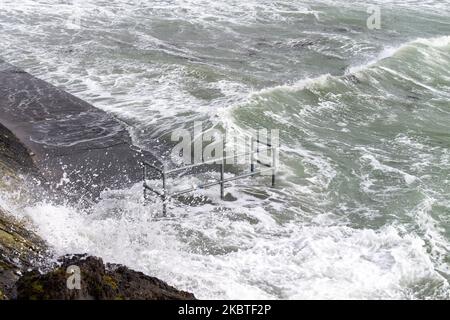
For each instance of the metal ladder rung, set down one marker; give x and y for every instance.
(199, 187)
(146, 186)
(264, 164)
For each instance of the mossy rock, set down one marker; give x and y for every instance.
(97, 282)
(20, 250)
(110, 282)
(3, 296)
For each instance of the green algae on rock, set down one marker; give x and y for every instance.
(20, 250)
(97, 282)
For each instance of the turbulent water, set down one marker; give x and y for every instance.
(362, 208)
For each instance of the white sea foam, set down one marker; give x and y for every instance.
(435, 42)
(297, 86)
(221, 257)
(377, 165)
(386, 53)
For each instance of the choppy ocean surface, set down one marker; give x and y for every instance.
(362, 209)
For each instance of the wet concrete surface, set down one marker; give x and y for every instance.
(79, 149)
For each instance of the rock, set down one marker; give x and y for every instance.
(98, 282)
(20, 250)
(304, 43)
(352, 78)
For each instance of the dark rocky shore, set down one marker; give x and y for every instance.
(47, 134)
(98, 282)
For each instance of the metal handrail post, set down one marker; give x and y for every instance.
(222, 177)
(257, 149)
(164, 194)
(274, 165)
(252, 155)
(144, 173)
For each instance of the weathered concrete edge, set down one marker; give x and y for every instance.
(71, 139)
